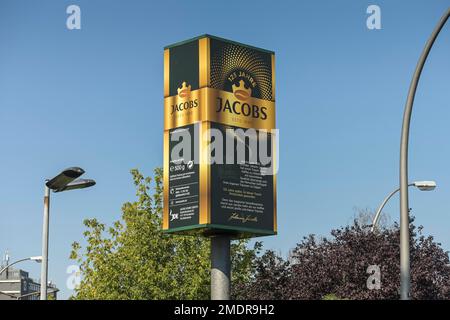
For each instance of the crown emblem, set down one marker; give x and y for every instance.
(240, 91)
(184, 91)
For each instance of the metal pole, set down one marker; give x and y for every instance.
(220, 267)
(44, 266)
(404, 205)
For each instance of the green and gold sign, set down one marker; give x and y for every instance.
(219, 138)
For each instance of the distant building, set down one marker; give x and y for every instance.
(16, 284)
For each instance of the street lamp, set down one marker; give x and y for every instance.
(37, 259)
(405, 280)
(65, 181)
(421, 185)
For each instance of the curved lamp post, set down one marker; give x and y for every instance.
(37, 259)
(65, 181)
(404, 216)
(421, 185)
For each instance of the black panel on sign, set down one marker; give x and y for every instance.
(240, 195)
(183, 179)
(184, 66)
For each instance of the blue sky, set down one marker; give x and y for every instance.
(94, 98)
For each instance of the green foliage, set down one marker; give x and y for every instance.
(133, 259)
(330, 297)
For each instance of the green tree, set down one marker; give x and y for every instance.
(133, 259)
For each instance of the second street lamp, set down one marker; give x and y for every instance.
(405, 277)
(421, 185)
(64, 181)
(37, 259)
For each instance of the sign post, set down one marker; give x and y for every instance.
(220, 268)
(220, 146)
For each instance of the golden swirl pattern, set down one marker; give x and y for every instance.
(228, 58)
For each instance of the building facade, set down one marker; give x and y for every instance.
(15, 284)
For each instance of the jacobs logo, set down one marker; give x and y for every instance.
(241, 92)
(184, 93)
(240, 107)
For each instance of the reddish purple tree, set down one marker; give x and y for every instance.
(339, 266)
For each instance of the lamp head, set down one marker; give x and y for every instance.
(64, 178)
(38, 259)
(77, 184)
(425, 185)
